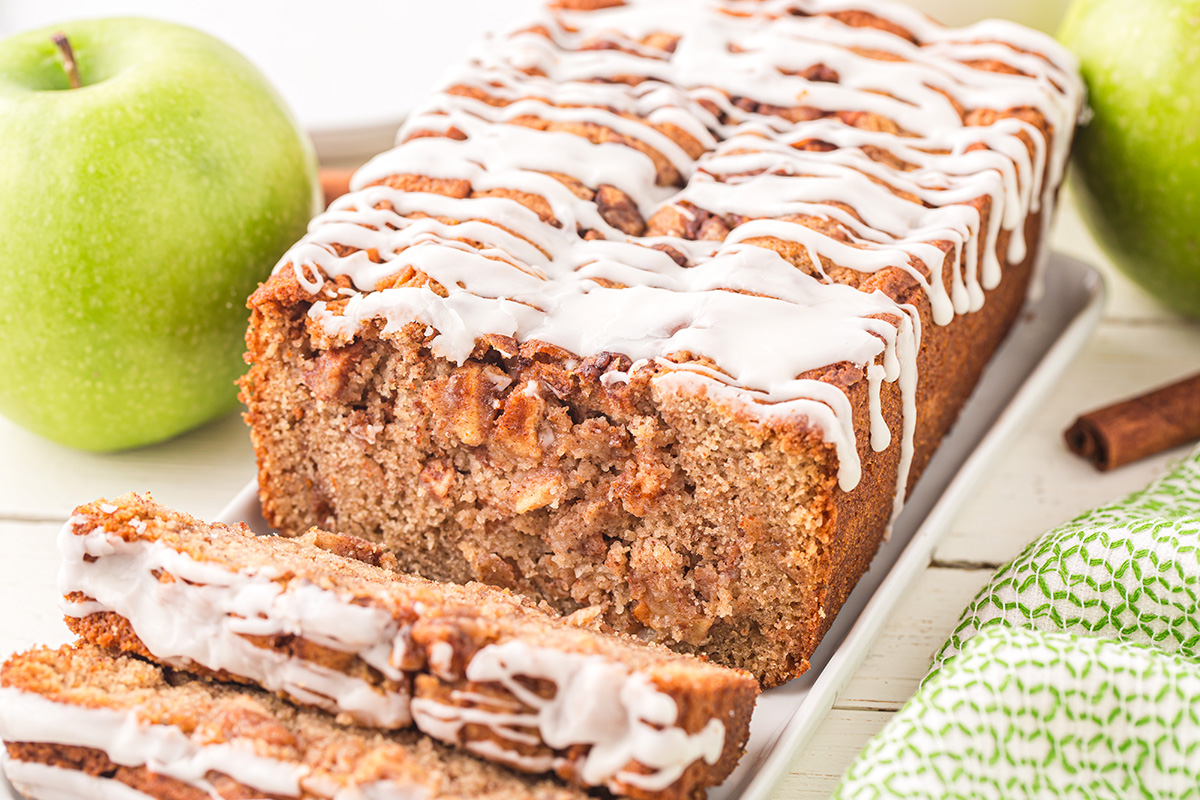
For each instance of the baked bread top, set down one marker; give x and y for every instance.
(733, 198)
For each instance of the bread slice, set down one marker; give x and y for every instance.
(323, 620)
(81, 721)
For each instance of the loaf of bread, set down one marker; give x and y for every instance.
(326, 621)
(659, 309)
(81, 722)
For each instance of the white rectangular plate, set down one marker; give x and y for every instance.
(1044, 340)
(1021, 374)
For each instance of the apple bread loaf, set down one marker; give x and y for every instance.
(658, 309)
(82, 722)
(326, 621)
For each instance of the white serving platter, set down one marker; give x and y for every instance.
(1046, 337)
(1044, 340)
(1028, 364)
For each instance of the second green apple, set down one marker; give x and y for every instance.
(1137, 162)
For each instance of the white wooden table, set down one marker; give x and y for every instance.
(1033, 486)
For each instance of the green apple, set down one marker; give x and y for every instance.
(1137, 163)
(137, 213)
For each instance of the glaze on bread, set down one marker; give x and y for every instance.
(81, 721)
(659, 309)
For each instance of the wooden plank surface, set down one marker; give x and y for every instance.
(1038, 483)
(28, 566)
(197, 472)
(916, 629)
(816, 771)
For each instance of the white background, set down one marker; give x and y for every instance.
(350, 69)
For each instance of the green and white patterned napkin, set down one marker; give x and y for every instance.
(1074, 673)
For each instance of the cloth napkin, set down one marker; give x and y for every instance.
(1075, 672)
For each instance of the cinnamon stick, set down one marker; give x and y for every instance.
(1138, 427)
(335, 182)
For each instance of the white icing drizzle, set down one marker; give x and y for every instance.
(128, 741)
(640, 728)
(202, 615)
(47, 782)
(508, 272)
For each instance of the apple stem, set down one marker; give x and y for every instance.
(68, 57)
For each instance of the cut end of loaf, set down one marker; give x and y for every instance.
(678, 519)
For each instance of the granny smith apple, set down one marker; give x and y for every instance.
(1137, 163)
(138, 210)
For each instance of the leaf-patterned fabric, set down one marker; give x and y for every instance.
(1075, 672)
